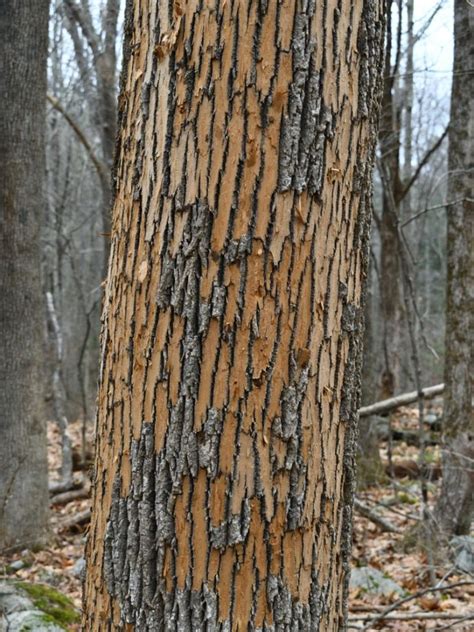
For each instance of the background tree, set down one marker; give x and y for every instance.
(455, 508)
(23, 461)
(406, 277)
(231, 338)
(81, 136)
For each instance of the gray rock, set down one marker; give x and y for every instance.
(33, 620)
(374, 581)
(79, 568)
(17, 565)
(12, 600)
(18, 614)
(463, 547)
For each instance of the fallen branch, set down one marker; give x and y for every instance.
(403, 514)
(63, 486)
(400, 400)
(420, 593)
(70, 496)
(451, 625)
(373, 516)
(77, 520)
(413, 616)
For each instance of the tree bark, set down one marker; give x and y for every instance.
(455, 508)
(231, 338)
(369, 463)
(23, 460)
(390, 265)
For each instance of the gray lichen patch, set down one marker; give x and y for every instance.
(179, 271)
(307, 123)
(233, 530)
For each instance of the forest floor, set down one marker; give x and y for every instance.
(396, 501)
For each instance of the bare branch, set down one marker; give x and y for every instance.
(428, 22)
(428, 209)
(100, 167)
(414, 616)
(422, 163)
(419, 615)
(82, 17)
(79, 50)
(400, 400)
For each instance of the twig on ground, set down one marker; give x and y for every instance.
(371, 515)
(412, 616)
(408, 516)
(419, 593)
(451, 625)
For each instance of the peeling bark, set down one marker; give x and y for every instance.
(232, 323)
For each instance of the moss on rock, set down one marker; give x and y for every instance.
(57, 607)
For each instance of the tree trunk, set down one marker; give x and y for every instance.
(370, 468)
(455, 508)
(390, 267)
(23, 460)
(231, 335)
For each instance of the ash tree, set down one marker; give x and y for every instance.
(232, 320)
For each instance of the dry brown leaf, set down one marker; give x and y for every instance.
(429, 603)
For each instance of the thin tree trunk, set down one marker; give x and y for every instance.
(59, 396)
(370, 468)
(455, 508)
(23, 461)
(232, 325)
(390, 270)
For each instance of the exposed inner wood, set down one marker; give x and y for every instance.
(232, 316)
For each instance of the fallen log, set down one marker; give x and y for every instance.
(404, 399)
(374, 517)
(58, 487)
(68, 497)
(76, 521)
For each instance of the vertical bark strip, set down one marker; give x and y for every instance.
(231, 331)
(455, 508)
(23, 459)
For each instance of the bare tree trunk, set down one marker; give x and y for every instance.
(455, 508)
(390, 269)
(408, 84)
(23, 460)
(232, 325)
(58, 392)
(370, 468)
